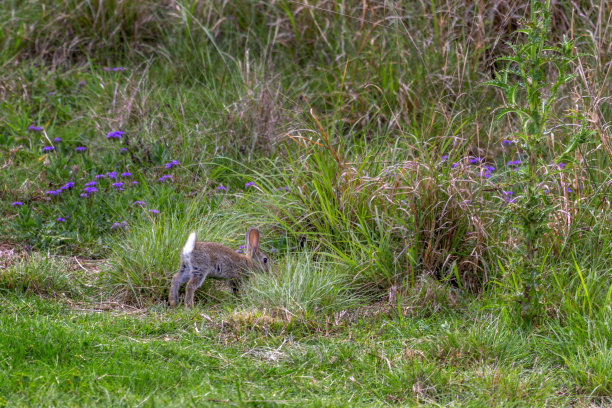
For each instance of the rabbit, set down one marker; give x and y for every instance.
(200, 260)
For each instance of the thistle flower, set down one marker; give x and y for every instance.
(80, 149)
(48, 149)
(221, 188)
(17, 204)
(171, 164)
(35, 128)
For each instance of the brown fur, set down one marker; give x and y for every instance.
(213, 260)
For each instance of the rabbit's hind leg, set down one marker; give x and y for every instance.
(195, 281)
(178, 279)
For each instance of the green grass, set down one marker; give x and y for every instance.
(359, 138)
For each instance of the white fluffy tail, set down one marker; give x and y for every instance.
(188, 248)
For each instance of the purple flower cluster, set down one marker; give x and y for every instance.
(474, 160)
(154, 212)
(115, 69)
(171, 164)
(283, 188)
(514, 163)
(126, 174)
(164, 178)
(122, 224)
(17, 204)
(140, 203)
(118, 186)
(48, 149)
(35, 129)
(112, 175)
(240, 249)
(249, 184)
(488, 170)
(444, 158)
(90, 184)
(80, 149)
(123, 150)
(508, 196)
(506, 142)
(99, 176)
(60, 219)
(89, 190)
(117, 134)
(57, 140)
(221, 188)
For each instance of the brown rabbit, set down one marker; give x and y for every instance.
(200, 260)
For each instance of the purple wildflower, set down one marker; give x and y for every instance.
(561, 166)
(81, 83)
(99, 176)
(154, 212)
(35, 129)
(80, 149)
(118, 185)
(60, 219)
(454, 165)
(52, 192)
(17, 204)
(140, 203)
(134, 183)
(240, 248)
(474, 160)
(514, 163)
(121, 224)
(67, 186)
(57, 140)
(51, 93)
(90, 184)
(506, 142)
(126, 174)
(488, 170)
(249, 184)
(90, 190)
(112, 175)
(444, 158)
(123, 150)
(48, 149)
(221, 187)
(283, 188)
(117, 134)
(569, 190)
(164, 178)
(171, 164)
(84, 195)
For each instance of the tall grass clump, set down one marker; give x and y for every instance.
(303, 285)
(142, 262)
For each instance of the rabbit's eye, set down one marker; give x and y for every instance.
(265, 260)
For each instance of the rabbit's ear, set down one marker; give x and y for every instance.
(252, 241)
